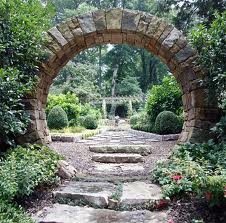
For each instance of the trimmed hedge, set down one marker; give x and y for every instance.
(88, 121)
(57, 118)
(168, 123)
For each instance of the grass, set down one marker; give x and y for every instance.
(73, 129)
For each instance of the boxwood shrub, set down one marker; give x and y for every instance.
(168, 123)
(57, 118)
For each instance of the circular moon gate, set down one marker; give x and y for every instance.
(118, 26)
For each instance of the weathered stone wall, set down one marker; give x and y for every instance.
(136, 28)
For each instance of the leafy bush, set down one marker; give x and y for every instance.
(210, 43)
(198, 169)
(89, 122)
(21, 26)
(10, 213)
(69, 102)
(87, 109)
(57, 118)
(22, 169)
(166, 96)
(13, 119)
(141, 122)
(168, 123)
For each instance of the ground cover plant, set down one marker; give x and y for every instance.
(22, 169)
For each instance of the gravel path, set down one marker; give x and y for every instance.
(79, 156)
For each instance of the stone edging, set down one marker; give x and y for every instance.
(66, 138)
(153, 136)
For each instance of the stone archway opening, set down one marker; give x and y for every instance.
(122, 26)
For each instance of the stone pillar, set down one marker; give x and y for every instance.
(37, 131)
(104, 109)
(130, 108)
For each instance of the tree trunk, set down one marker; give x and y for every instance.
(113, 87)
(100, 68)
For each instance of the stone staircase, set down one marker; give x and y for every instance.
(89, 200)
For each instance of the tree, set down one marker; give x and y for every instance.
(189, 13)
(80, 79)
(129, 86)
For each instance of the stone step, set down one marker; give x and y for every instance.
(96, 194)
(112, 169)
(60, 213)
(117, 158)
(137, 149)
(140, 193)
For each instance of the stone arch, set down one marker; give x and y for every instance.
(122, 26)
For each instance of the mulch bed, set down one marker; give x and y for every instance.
(188, 210)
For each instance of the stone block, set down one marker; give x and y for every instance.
(65, 170)
(99, 20)
(117, 158)
(57, 35)
(59, 213)
(66, 32)
(130, 20)
(114, 19)
(116, 38)
(87, 24)
(99, 38)
(138, 193)
(153, 26)
(184, 54)
(171, 39)
(92, 193)
(143, 24)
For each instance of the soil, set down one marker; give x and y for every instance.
(196, 211)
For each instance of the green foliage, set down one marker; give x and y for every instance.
(188, 13)
(168, 123)
(24, 168)
(87, 109)
(129, 86)
(21, 26)
(13, 120)
(195, 168)
(210, 43)
(89, 121)
(79, 78)
(166, 96)
(141, 122)
(69, 102)
(57, 118)
(10, 213)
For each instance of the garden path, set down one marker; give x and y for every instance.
(115, 187)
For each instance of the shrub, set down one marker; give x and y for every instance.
(166, 96)
(167, 123)
(89, 122)
(25, 168)
(69, 102)
(10, 213)
(57, 118)
(198, 169)
(141, 122)
(87, 109)
(134, 120)
(21, 27)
